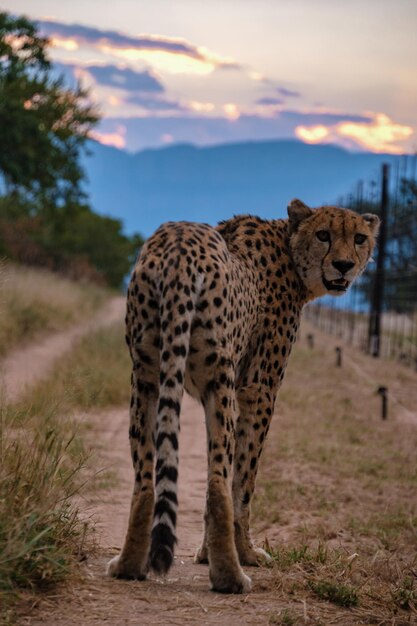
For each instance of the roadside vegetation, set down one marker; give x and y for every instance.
(44, 436)
(42, 535)
(35, 302)
(336, 498)
(45, 217)
(96, 374)
(46, 222)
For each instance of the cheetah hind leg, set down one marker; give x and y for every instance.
(132, 563)
(225, 572)
(248, 553)
(244, 478)
(201, 555)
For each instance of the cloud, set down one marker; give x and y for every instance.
(124, 78)
(90, 35)
(117, 138)
(233, 126)
(288, 93)
(138, 101)
(172, 54)
(147, 132)
(108, 75)
(155, 104)
(200, 107)
(141, 89)
(327, 118)
(270, 101)
(379, 134)
(312, 134)
(231, 111)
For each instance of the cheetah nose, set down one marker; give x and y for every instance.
(343, 266)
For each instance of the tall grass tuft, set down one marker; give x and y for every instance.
(41, 532)
(44, 462)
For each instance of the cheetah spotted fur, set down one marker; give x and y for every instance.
(216, 311)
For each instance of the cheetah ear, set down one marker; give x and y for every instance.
(297, 212)
(373, 222)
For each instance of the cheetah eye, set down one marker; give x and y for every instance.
(323, 235)
(360, 238)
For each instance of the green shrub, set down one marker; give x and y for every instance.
(343, 595)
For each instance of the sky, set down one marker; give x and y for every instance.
(217, 71)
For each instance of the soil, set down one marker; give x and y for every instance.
(183, 597)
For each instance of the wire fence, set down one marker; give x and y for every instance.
(379, 313)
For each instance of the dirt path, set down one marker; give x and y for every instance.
(181, 598)
(109, 506)
(25, 367)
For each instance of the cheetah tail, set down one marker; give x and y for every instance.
(175, 340)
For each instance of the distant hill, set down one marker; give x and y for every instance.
(184, 182)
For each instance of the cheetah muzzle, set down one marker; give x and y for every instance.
(215, 311)
(337, 284)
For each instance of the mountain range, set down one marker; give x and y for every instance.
(208, 184)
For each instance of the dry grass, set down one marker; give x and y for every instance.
(96, 373)
(44, 463)
(33, 302)
(41, 533)
(336, 497)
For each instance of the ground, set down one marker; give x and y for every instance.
(313, 488)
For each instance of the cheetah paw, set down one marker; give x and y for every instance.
(239, 584)
(118, 568)
(255, 557)
(201, 555)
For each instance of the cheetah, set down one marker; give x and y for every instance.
(215, 311)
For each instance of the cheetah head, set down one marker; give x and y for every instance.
(330, 246)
